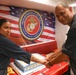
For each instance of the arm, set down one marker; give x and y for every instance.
(11, 50)
(68, 49)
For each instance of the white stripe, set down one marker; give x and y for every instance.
(4, 8)
(15, 31)
(48, 34)
(9, 17)
(44, 39)
(14, 25)
(49, 28)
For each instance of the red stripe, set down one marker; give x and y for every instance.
(4, 12)
(49, 31)
(47, 37)
(12, 21)
(13, 28)
(2, 17)
(14, 34)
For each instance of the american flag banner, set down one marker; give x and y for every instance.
(13, 15)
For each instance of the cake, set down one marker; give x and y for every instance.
(24, 66)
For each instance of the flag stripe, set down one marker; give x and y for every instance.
(14, 25)
(49, 31)
(4, 12)
(42, 39)
(4, 8)
(44, 36)
(15, 34)
(48, 34)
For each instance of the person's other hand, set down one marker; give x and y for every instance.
(57, 57)
(53, 55)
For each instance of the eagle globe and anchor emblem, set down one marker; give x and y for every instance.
(31, 25)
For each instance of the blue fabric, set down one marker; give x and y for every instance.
(8, 50)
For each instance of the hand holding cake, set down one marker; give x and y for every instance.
(38, 58)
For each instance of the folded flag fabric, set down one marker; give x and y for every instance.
(57, 69)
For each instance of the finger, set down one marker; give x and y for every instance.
(48, 65)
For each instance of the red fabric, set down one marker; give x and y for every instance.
(58, 69)
(43, 48)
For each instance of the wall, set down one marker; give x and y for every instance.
(75, 9)
(60, 33)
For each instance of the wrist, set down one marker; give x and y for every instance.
(50, 63)
(34, 59)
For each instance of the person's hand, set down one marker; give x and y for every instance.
(49, 56)
(48, 64)
(57, 57)
(52, 58)
(43, 61)
(38, 58)
(52, 55)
